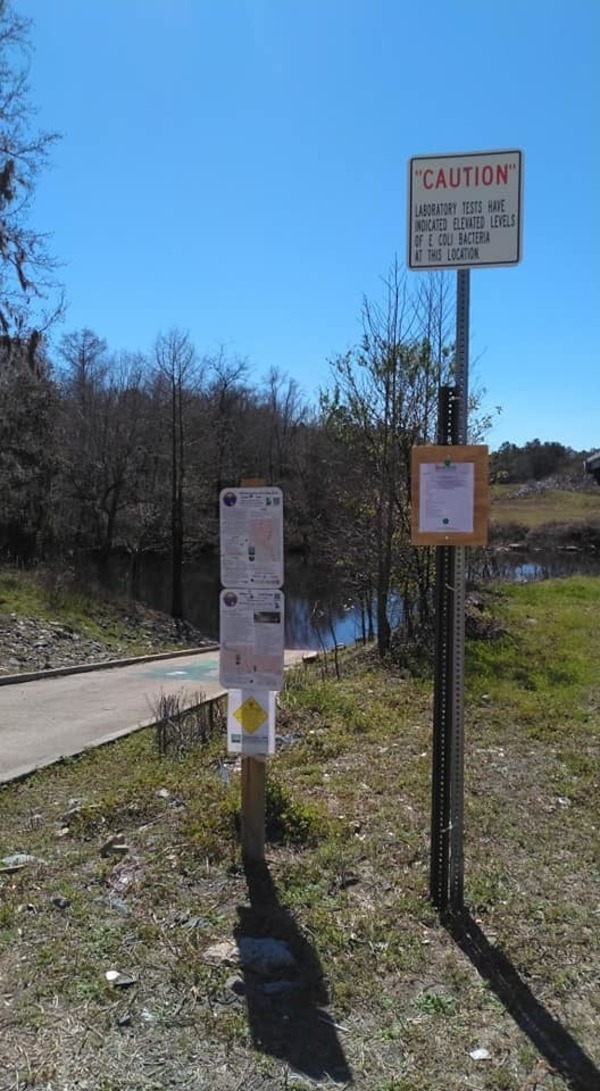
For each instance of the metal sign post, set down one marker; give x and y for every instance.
(458, 580)
(446, 874)
(443, 681)
(464, 212)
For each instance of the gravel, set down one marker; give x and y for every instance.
(33, 644)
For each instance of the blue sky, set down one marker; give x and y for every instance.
(238, 168)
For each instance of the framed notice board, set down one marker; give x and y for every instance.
(450, 495)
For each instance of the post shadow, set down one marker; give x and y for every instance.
(546, 1033)
(287, 1011)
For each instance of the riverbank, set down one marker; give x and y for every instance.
(547, 515)
(47, 622)
(136, 954)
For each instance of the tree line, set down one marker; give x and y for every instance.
(534, 461)
(103, 450)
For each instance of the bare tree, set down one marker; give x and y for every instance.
(227, 396)
(178, 376)
(285, 412)
(384, 402)
(82, 374)
(28, 460)
(104, 439)
(28, 291)
(27, 286)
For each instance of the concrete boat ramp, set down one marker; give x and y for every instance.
(60, 713)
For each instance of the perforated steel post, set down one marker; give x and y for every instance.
(443, 681)
(456, 862)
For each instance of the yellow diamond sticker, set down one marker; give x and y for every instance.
(251, 715)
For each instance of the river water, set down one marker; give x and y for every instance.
(318, 610)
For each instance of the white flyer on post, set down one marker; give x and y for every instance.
(252, 639)
(250, 722)
(251, 522)
(447, 497)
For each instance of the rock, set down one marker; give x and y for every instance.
(222, 954)
(34, 644)
(19, 860)
(119, 980)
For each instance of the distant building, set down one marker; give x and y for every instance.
(592, 466)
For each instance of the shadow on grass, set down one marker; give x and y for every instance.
(286, 1009)
(549, 1037)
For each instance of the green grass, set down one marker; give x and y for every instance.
(348, 854)
(42, 593)
(545, 661)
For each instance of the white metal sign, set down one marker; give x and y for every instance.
(252, 639)
(465, 211)
(250, 722)
(251, 537)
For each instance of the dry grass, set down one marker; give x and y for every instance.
(540, 508)
(384, 996)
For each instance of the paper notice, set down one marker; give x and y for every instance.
(251, 523)
(252, 639)
(446, 497)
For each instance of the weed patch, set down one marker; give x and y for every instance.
(134, 865)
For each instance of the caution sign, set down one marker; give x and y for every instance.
(250, 722)
(465, 211)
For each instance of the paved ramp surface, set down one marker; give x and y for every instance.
(49, 718)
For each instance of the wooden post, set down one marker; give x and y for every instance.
(254, 774)
(253, 809)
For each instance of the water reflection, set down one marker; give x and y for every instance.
(320, 611)
(313, 625)
(517, 567)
